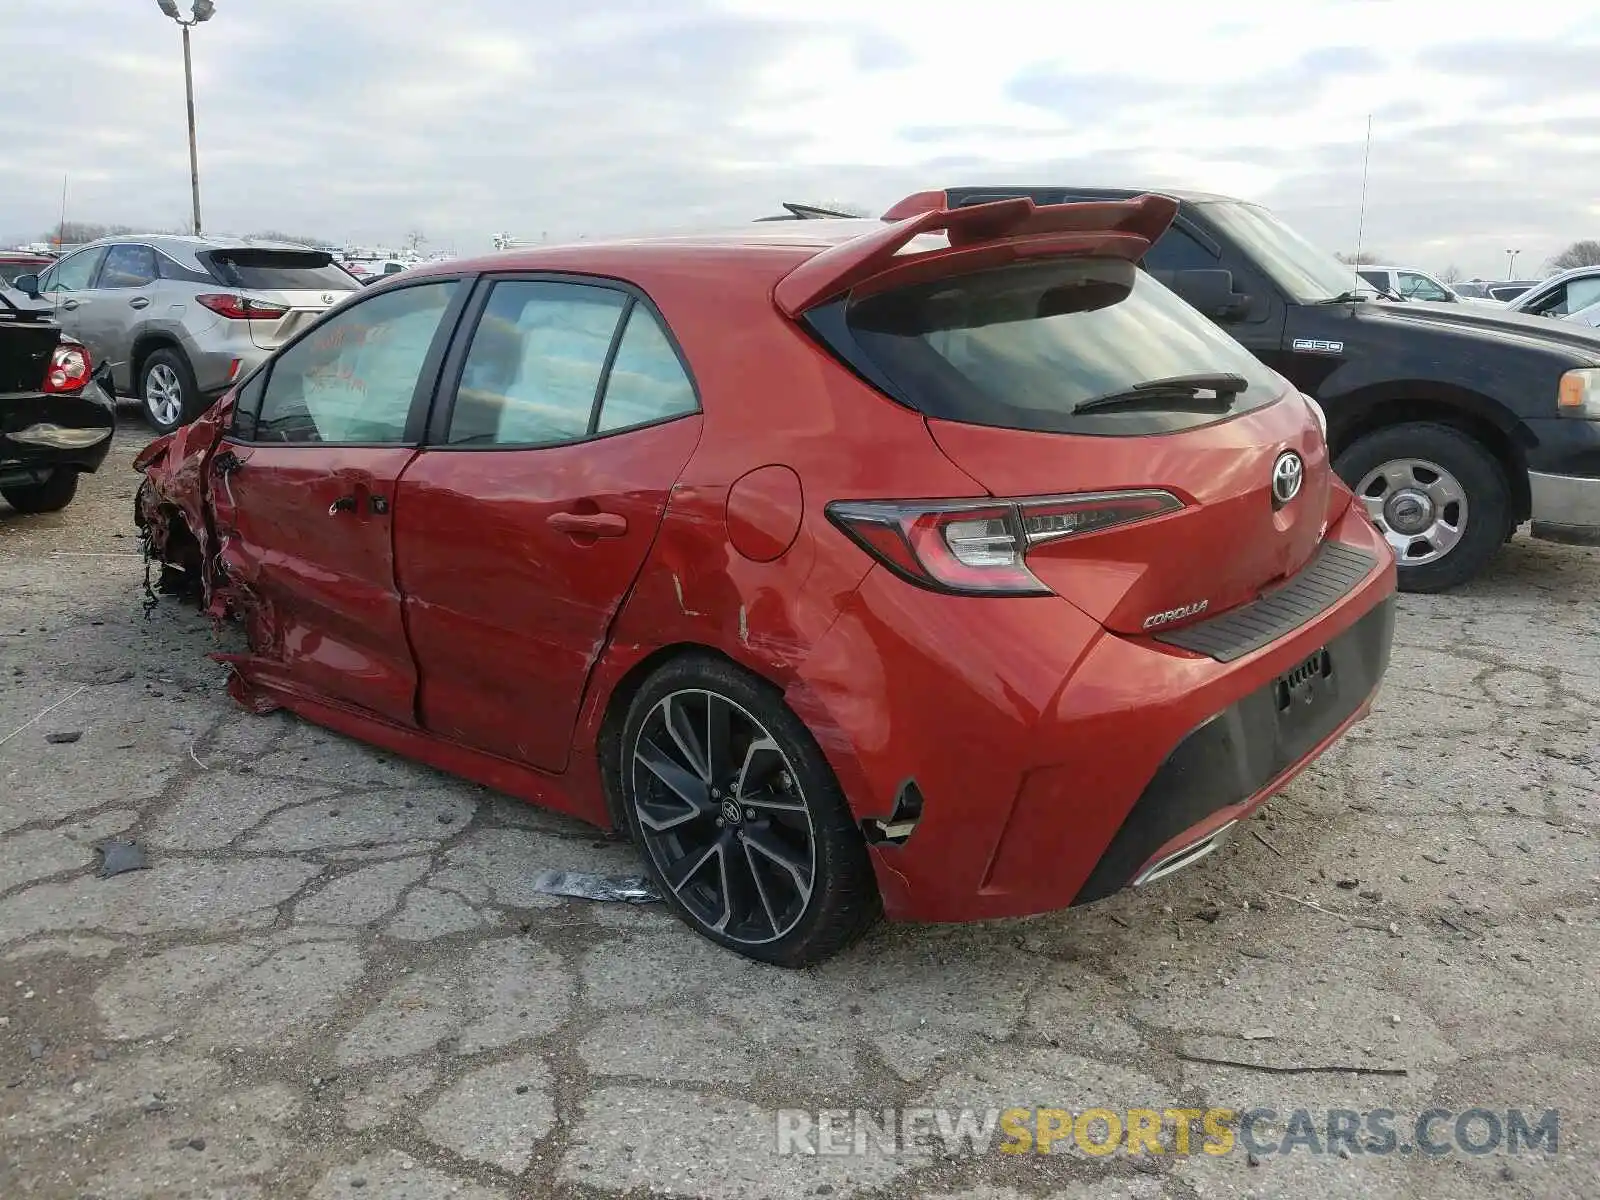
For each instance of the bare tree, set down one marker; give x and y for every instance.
(1585, 253)
(1451, 274)
(277, 235)
(1364, 258)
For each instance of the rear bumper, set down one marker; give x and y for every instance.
(1566, 508)
(40, 433)
(1056, 763)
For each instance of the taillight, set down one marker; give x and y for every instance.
(69, 368)
(980, 547)
(241, 308)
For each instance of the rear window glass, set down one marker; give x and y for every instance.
(279, 270)
(1025, 347)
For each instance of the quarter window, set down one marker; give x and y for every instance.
(647, 382)
(532, 372)
(354, 378)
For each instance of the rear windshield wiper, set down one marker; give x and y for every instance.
(1224, 384)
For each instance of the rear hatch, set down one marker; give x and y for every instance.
(289, 287)
(1084, 380)
(27, 337)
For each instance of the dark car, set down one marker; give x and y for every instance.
(956, 564)
(1453, 423)
(56, 415)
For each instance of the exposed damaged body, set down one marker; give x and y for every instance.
(951, 566)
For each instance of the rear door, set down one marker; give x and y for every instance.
(303, 489)
(567, 417)
(290, 288)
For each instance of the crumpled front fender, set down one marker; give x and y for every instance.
(175, 469)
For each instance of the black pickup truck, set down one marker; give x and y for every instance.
(56, 411)
(1453, 423)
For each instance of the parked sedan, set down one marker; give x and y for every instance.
(56, 419)
(181, 318)
(951, 566)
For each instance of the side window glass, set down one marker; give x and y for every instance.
(533, 369)
(1581, 293)
(74, 274)
(647, 382)
(1176, 250)
(247, 407)
(128, 267)
(172, 270)
(1420, 287)
(352, 379)
(1552, 304)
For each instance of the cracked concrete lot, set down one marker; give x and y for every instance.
(335, 980)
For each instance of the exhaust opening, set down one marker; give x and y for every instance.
(1186, 856)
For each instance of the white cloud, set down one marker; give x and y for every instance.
(362, 121)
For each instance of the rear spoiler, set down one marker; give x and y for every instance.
(980, 235)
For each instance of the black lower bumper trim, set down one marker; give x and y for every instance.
(1246, 746)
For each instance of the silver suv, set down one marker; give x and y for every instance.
(181, 318)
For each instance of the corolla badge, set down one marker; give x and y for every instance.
(1288, 473)
(1175, 614)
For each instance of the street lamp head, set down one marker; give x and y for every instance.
(170, 7)
(204, 10)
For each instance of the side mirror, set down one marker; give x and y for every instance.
(1210, 291)
(28, 285)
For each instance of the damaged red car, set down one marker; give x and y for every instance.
(948, 567)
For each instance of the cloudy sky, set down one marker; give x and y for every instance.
(360, 120)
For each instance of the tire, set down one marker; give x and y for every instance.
(1410, 471)
(54, 494)
(167, 390)
(723, 846)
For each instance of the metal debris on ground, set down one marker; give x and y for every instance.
(587, 885)
(118, 857)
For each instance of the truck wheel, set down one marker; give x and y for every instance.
(167, 387)
(1438, 497)
(54, 494)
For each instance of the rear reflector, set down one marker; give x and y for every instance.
(241, 308)
(980, 547)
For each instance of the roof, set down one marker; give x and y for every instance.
(188, 242)
(783, 245)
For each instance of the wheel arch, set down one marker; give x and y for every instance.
(1353, 416)
(146, 344)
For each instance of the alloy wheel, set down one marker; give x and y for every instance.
(1418, 506)
(723, 817)
(163, 394)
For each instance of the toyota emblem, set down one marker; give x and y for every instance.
(1288, 473)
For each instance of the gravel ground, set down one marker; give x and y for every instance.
(334, 980)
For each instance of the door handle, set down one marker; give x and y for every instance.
(589, 524)
(342, 504)
(69, 305)
(139, 302)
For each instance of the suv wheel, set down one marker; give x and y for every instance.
(54, 494)
(739, 818)
(167, 388)
(1438, 497)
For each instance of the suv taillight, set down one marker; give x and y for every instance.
(241, 308)
(980, 547)
(69, 368)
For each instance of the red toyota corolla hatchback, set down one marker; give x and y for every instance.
(950, 566)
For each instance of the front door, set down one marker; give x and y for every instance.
(68, 285)
(118, 305)
(303, 489)
(522, 525)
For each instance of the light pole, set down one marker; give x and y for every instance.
(1511, 263)
(203, 10)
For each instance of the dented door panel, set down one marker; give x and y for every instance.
(305, 548)
(509, 601)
